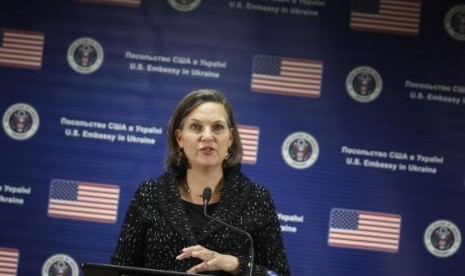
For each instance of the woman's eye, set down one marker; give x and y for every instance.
(196, 127)
(218, 127)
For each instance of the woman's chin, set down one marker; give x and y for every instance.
(208, 164)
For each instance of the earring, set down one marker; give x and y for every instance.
(226, 156)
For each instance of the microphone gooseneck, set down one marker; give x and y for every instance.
(206, 195)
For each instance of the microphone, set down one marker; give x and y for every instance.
(206, 195)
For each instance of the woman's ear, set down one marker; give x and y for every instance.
(178, 136)
(231, 137)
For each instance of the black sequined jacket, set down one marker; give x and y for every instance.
(156, 228)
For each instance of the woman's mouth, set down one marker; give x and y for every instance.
(207, 149)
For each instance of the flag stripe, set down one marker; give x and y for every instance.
(388, 24)
(19, 63)
(380, 216)
(394, 226)
(365, 233)
(249, 139)
(364, 230)
(399, 17)
(67, 204)
(8, 261)
(97, 194)
(343, 236)
(265, 80)
(82, 211)
(289, 91)
(77, 216)
(21, 49)
(83, 200)
(14, 38)
(287, 76)
(364, 245)
(288, 79)
(249, 147)
(36, 59)
(36, 49)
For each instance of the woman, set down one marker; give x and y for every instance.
(165, 227)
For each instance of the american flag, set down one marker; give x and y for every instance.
(249, 140)
(83, 201)
(22, 49)
(128, 3)
(289, 76)
(8, 261)
(364, 230)
(386, 16)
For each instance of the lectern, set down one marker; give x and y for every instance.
(97, 269)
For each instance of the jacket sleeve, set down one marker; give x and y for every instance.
(270, 254)
(129, 248)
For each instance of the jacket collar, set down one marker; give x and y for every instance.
(232, 200)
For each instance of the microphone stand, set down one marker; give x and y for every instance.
(207, 194)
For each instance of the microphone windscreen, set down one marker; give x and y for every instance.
(207, 194)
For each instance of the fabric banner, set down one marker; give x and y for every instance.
(351, 113)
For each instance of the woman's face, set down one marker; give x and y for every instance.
(205, 136)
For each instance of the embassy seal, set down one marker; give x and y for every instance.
(184, 5)
(454, 22)
(364, 84)
(442, 238)
(300, 150)
(60, 264)
(20, 121)
(85, 55)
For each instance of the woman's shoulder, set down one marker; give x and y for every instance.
(157, 184)
(241, 179)
(255, 194)
(151, 192)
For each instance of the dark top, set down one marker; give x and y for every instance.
(196, 217)
(156, 227)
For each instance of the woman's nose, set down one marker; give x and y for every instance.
(207, 134)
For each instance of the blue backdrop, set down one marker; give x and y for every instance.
(351, 113)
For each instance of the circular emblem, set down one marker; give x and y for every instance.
(455, 22)
(60, 265)
(300, 150)
(85, 55)
(364, 84)
(20, 121)
(184, 5)
(442, 238)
